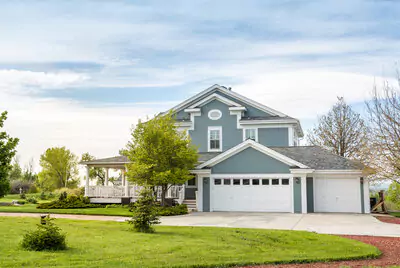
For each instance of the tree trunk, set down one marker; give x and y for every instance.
(164, 189)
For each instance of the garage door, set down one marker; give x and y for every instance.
(337, 194)
(252, 194)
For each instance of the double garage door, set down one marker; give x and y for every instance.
(251, 194)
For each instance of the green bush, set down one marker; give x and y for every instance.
(43, 196)
(172, 211)
(22, 195)
(71, 201)
(145, 212)
(69, 191)
(45, 237)
(21, 202)
(31, 200)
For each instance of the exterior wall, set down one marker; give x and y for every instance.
(231, 136)
(296, 195)
(250, 161)
(273, 136)
(190, 193)
(366, 196)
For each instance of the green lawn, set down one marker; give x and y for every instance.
(31, 208)
(396, 214)
(112, 244)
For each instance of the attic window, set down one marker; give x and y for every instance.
(214, 114)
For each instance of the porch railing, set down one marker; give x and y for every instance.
(100, 191)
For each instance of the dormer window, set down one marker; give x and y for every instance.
(250, 133)
(214, 139)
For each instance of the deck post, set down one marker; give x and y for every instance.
(87, 181)
(106, 177)
(126, 184)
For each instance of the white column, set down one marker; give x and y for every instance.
(106, 177)
(304, 193)
(87, 181)
(122, 177)
(199, 199)
(126, 184)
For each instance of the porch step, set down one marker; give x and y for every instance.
(191, 204)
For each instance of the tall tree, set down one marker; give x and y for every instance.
(16, 170)
(7, 152)
(95, 173)
(341, 131)
(59, 168)
(28, 174)
(384, 117)
(160, 155)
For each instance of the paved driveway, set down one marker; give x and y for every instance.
(350, 224)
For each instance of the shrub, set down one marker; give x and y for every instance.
(46, 237)
(51, 195)
(22, 195)
(69, 191)
(71, 201)
(145, 212)
(172, 211)
(31, 200)
(42, 196)
(21, 202)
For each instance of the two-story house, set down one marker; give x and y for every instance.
(250, 160)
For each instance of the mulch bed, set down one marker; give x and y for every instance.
(390, 247)
(389, 219)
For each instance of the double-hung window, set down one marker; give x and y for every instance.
(250, 133)
(215, 139)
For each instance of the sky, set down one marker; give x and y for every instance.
(80, 73)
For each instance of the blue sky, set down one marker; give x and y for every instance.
(80, 73)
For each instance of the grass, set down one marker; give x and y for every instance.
(113, 244)
(31, 208)
(396, 214)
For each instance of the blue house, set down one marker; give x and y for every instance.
(250, 160)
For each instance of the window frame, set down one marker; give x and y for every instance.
(255, 133)
(191, 186)
(219, 128)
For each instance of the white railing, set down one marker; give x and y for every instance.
(175, 191)
(181, 195)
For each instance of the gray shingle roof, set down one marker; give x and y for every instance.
(203, 157)
(318, 158)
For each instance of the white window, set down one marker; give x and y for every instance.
(214, 114)
(214, 139)
(250, 133)
(192, 183)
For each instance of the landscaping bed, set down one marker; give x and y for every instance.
(113, 244)
(388, 219)
(389, 246)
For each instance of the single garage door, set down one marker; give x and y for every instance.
(337, 194)
(252, 194)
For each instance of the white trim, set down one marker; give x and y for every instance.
(250, 143)
(193, 110)
(280, 121)
(203, 172)
(301, 171)
(220, 138)
(241, 108)
(254, 176)
(199, 196)
(290, 136)
(256, 134)
(212, 97)
(352, 172)
(214, 111)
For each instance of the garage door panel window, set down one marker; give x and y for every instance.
(227, 181)
(256, 182)
(246, 181)
(275, 182)
(236, 181)
(265, 181)
(285, 181)
(217, 181)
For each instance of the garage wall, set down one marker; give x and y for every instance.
(334, 193)
(250, 161)
(366, 196)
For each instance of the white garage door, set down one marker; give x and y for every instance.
(252, 194)
(337, 194)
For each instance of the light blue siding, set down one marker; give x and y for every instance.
(273, 136)
(250, 161)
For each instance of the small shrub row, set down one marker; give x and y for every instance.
(172, 211)
(68, 202)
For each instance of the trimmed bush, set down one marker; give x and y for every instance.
(71, 201)
(31, 200)
(47, 236)
(42, 196)
(22, 195)
(74, 191)
(172, 211)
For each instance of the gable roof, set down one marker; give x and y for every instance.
(318, 158)
(255, 145)
(216, 87)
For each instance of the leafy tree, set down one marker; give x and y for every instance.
(59, 169)
(384, 118)
(94, 172)
(7, 152)
(28, 174)
(393, 193)
(160, 155)
(16, 170)
(145, 212)
(341, 131)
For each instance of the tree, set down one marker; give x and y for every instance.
(160, 155)
(7, 152)
(16, 170)
(28, 174)
(94, 172)
(59, 169)
(341, 131)
(145, 213)
(384, 117)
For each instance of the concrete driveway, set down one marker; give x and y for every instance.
(349, 224)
